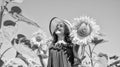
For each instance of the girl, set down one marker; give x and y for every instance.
(61, 51)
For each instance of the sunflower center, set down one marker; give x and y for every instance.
(38, 39)
(84, 30)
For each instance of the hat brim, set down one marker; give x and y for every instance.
(54, 21)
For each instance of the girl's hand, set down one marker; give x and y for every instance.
(77, 62)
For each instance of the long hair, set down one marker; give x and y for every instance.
(66, 34)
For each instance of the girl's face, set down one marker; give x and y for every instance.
(60, 28)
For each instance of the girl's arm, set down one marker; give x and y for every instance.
(75, 51)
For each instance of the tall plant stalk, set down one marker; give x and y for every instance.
(1, 14)
(91, 56)
(4, 4)
(5, 52)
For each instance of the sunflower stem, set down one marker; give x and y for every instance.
(2, 11)
(91, 56)
(87, 53)
(5, 52)
(93, 48)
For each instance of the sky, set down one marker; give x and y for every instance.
(106, 13)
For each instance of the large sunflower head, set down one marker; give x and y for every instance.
(84, 30)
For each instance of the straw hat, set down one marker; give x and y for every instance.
(55, 20)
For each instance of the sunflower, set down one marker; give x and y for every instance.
(84, 30)
(39, 37)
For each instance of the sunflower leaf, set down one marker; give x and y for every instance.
(97, 41)
(114, 57)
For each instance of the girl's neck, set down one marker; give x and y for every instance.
(60, 38)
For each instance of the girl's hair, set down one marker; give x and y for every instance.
(66, 34)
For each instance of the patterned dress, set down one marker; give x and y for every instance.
(61, 55)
